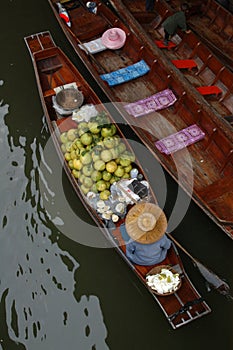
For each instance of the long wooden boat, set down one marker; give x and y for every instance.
(214, 25)
(54, 70)
(208, 162)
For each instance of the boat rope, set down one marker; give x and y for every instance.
(187, 306)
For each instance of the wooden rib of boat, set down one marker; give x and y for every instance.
(210, 160)
(213, 24)
(53, 70)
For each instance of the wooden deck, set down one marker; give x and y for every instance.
(213, 24)
(206, 70)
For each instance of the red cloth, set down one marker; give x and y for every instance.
(209, 90)
(182, 64)
(161, 45)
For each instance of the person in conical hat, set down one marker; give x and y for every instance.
(146, 224)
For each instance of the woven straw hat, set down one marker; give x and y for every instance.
(114, 38)
(146, 223)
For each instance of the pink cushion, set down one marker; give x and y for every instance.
(160, 100)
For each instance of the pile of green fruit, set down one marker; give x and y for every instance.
(96, 155)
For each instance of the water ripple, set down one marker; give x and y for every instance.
(37, 276)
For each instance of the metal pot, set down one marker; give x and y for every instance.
(69, 99)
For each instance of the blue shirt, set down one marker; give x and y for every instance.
(147, 254)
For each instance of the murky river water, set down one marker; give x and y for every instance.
(56, 293)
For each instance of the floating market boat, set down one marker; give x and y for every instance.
(66, 118)
(159, 105)
(213, 24)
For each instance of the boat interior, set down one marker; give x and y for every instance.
(211, 17)
(194, 59)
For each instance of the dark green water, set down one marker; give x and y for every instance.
(56, 293)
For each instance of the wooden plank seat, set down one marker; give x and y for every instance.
(180, 139)
(184, 64)
(160, 100)
(51, 69)
(125, 74)
(217, 188)
(161, 45)
(49, 65)
(209, 90)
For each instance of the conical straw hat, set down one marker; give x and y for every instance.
(146, 223)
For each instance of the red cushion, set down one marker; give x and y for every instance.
(184, 63)
(161, 45)
(209, 90)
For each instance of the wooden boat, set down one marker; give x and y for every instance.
(209, 161)
(214, 25)
(53, 69)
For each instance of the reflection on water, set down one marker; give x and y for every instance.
(37, 277)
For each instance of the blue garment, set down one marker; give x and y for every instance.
(148, 254)
(124, 233)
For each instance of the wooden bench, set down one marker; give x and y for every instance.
(184, 64)
(209, 90)
(217, 189)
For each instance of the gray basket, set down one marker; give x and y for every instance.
(69, 99)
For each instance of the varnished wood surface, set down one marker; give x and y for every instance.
(209, 71)
(214, 24)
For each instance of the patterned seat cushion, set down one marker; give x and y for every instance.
(179, 140)
(160, 100)
(123, 75)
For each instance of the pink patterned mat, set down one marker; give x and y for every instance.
(179, 140)
(162, 99)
